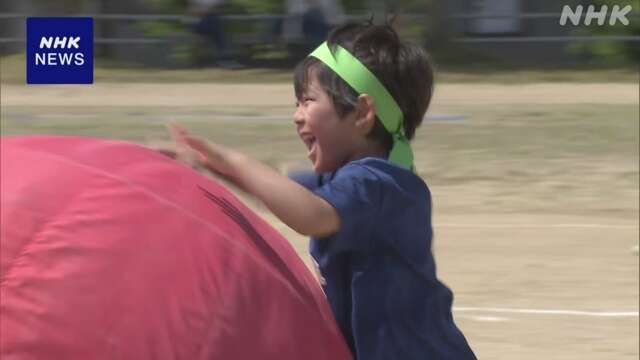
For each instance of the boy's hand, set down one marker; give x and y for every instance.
(296, 206)
(212, 156)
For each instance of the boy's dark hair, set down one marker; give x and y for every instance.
(402, 68)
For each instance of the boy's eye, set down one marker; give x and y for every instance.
(303, 101)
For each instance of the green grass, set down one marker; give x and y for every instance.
(12, 71)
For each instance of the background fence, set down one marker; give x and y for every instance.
(504, 35)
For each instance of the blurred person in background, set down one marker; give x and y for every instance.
(309, 21)
(210, 25)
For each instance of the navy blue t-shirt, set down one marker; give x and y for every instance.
(378, 271)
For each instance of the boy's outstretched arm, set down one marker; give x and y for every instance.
(292, 203)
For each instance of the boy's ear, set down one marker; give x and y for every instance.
(366, 114)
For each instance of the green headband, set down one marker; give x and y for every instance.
(363, 81)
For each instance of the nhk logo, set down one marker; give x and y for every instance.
(59, 50)
(617, 14)
(57, 58)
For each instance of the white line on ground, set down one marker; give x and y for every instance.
(517, 226)
(487, 318)
(549, 312)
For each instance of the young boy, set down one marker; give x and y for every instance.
(360, 97)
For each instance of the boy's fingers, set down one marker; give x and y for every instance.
(181, 136)
(175, 127)
(199, 146)
(167, 152)
(196, 144)
(177, 133)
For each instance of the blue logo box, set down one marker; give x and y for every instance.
(59, 50)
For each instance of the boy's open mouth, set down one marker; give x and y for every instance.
(310, 141)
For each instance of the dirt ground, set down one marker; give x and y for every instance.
(202, 94)
(554, 284)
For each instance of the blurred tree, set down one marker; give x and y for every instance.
(232, 6)
(199, 52)
(612, 51)
(61, 7)
(355, 6)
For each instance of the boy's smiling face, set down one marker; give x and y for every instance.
(331, 140)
